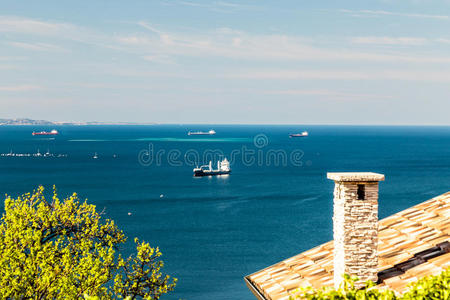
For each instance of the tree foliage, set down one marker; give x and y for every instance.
(65, 250)
(430, 287)
(427, 288)
(346, 290)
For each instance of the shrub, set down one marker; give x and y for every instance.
(430, 287)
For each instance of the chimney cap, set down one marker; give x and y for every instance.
(355, 176)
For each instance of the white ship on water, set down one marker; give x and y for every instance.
(223, 167)
(302, 134)
(53, 132)
(211, 132)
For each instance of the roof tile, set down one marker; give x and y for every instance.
(400, 236)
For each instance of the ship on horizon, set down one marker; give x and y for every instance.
(302, 134)
(211, 132)
(53, 132)
(223, 168)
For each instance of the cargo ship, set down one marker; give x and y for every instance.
(223, 168)
(211, 132)
(53, 132)
(302, 134)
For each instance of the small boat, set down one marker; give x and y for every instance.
(302, 134)
(48, 154)
(211, 132)
(223, 167)
(95, 156)
(37, 154)
(53, 132)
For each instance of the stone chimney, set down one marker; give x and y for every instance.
(355, 225)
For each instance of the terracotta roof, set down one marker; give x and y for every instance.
(400, 237)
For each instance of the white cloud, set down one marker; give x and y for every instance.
(229, 4)
(19, 88)
(162, 59)
(270, 47)
(385, 40)
(298, 75)
(442, 40)
(223, 42)
(189, 3)
(133, 72)
(26, 25)
(367, 12)
(54, 30)
(217, 6)
(134, 40)
(149, 27)
(108, 85)
(328, 93)
(227, 30)
(164, 37)
(406, 75)
(236, 42)
(37, 46)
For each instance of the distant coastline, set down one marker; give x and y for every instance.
(31, 122)
(25, 121)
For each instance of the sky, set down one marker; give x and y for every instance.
(230, 62)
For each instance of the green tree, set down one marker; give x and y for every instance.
(64, 250)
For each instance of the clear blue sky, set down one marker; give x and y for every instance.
(192, 61)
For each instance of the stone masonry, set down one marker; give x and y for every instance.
(355, 226)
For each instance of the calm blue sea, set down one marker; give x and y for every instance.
(213, 231)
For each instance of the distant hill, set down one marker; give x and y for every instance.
(44, 122)
(24, 122)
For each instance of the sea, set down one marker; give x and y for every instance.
(213, 231)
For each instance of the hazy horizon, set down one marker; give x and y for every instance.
(125, 123)
(226, 62)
